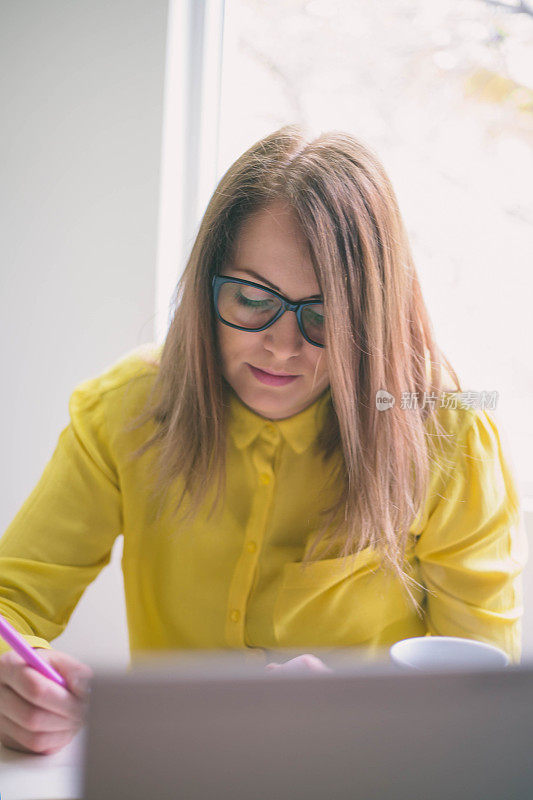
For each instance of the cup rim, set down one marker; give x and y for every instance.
(402, 644)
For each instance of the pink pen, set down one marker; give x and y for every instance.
(15, 640)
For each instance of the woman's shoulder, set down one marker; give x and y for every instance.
(454, 409)
(130, 375)
(469, 441)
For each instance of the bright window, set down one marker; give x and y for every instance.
(443, 92)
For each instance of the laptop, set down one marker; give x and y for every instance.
(211, 726)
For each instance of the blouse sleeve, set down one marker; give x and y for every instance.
(64, 532)
(473, 546)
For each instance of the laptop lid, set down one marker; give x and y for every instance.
(208, 728)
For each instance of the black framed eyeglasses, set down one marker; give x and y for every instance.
(248, 306)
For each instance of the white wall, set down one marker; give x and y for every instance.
(81, 92)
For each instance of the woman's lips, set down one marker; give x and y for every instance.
(272, 380)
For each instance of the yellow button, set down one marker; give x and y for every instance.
(251, 547)
(264, 478)
(235, 615)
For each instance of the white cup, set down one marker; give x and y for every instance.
(445, 652)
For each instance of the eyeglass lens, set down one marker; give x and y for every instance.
(253, 308)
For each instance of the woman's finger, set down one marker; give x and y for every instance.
(314, 663)
(77, 674)
(304, 663)
(29, 684)
(19, 738)
(32, 717)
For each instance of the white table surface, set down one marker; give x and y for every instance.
(33, 777)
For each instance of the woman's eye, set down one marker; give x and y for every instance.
(247, 301)
(314, 318)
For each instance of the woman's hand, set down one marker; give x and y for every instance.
(305, 663)
(36, 714)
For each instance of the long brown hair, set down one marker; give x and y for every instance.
(378, 336)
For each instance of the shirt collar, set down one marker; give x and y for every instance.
(299, 430)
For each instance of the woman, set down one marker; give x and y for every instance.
(268, 496)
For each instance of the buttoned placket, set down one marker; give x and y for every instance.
(263, 455)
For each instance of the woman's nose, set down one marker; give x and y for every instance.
(284, 337)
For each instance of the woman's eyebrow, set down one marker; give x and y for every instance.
(254, 274)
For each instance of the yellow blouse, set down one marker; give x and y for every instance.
(235, 581)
